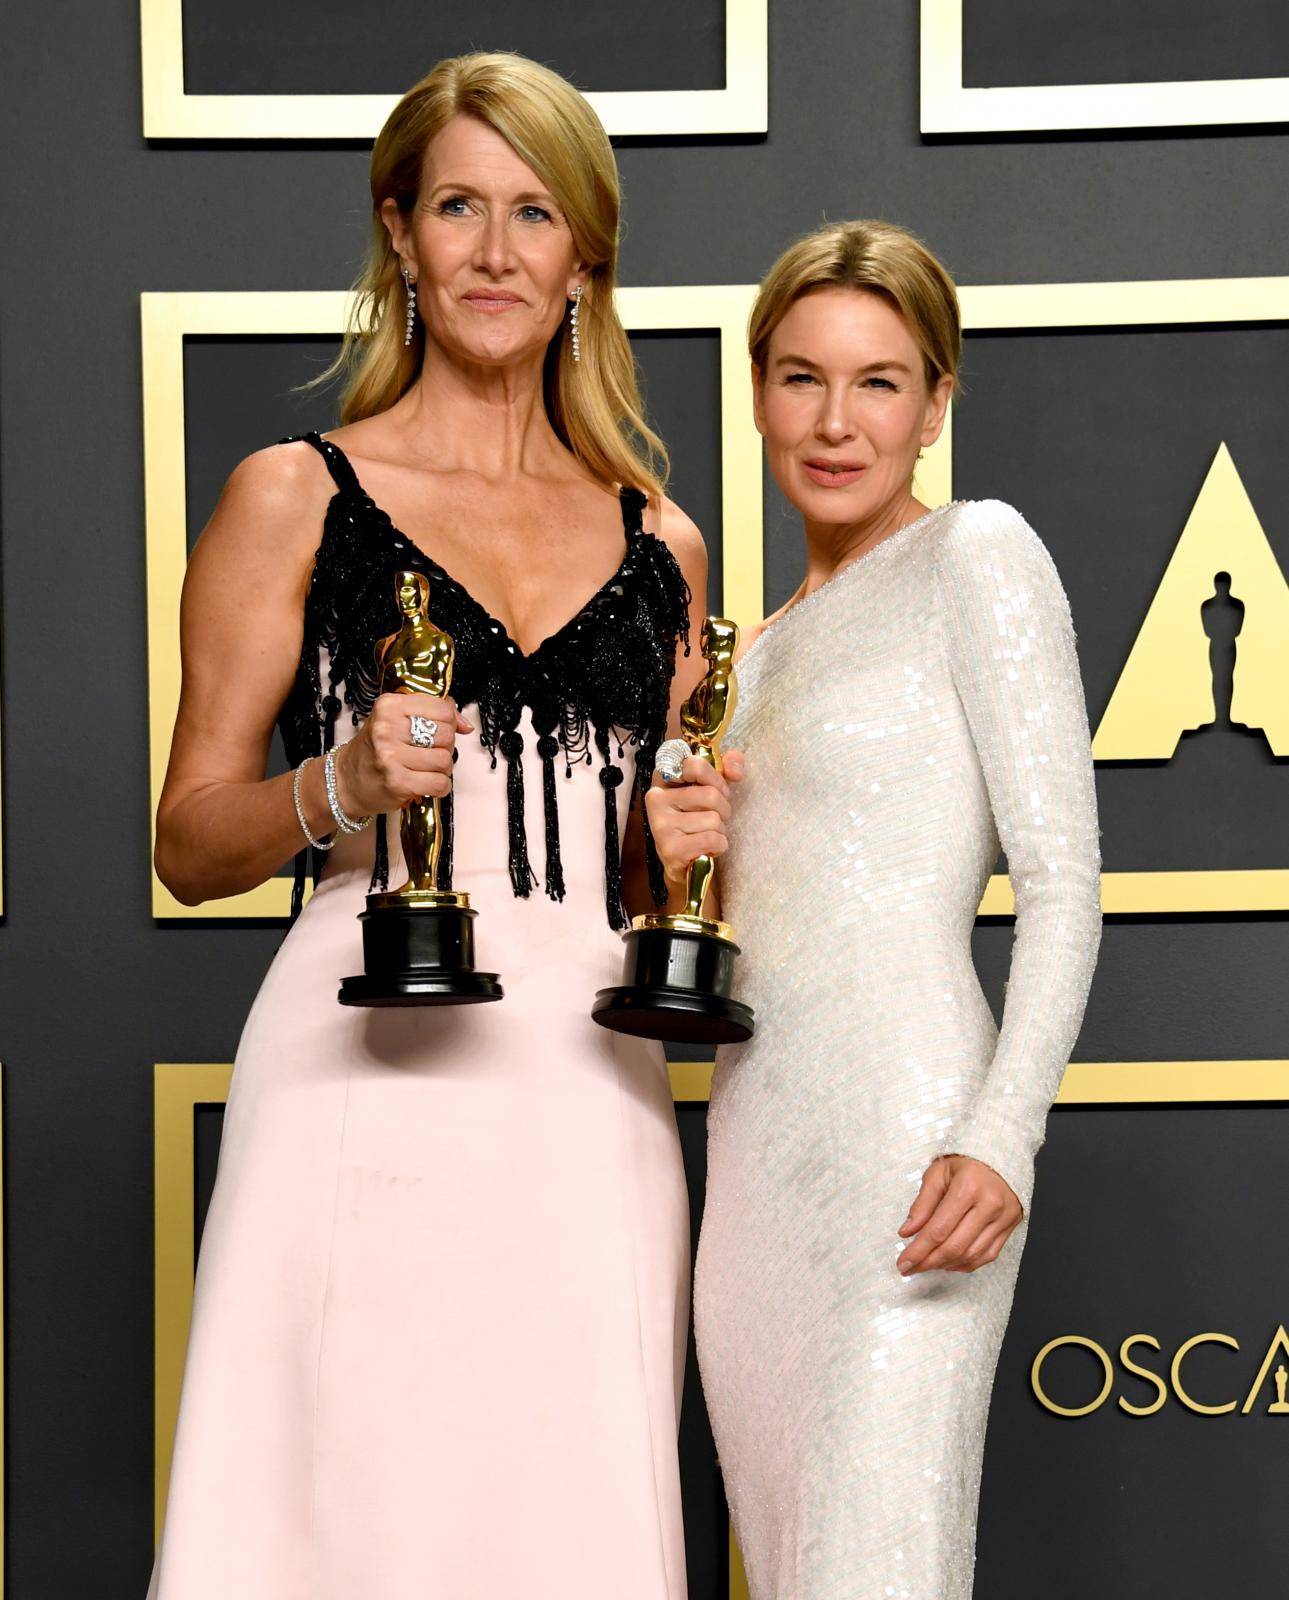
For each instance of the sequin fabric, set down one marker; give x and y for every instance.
(918, 710)
(597, 684)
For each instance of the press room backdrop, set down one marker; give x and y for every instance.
(185, 202)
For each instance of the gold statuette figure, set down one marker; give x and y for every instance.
(418, 939)
(418, 659)
(680, 965)
(704, 717)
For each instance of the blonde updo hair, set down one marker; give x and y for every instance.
(881, 258)
(595, 406)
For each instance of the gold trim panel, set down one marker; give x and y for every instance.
(742, 106)
(948, 106)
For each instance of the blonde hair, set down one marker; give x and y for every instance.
(877, 256)
(595, 405)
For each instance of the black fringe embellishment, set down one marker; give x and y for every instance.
(545, 722)
(610, 778)
(548, 748)
(297, 884)
(522, 877)
(330, 711)
(653, 861)
(609, 667)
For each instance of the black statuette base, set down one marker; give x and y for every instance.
(418, 954)
(676, 987)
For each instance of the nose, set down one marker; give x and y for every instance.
(494, 256)
(835, 424)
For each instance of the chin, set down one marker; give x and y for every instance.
(834, 505)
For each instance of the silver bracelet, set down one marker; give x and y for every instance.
(318, 844)
(346, 824)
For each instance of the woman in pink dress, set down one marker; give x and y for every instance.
(440, 1311)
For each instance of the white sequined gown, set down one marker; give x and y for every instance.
(919, 708)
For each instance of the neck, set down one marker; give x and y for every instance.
(830, 546)
(489, 421)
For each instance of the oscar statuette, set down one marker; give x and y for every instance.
(418, 940)
(679, 966)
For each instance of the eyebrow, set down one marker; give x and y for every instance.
(872, 366)
(524, 198)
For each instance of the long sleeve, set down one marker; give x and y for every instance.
(1012, 656)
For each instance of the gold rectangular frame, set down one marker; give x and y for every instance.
(170, 113)
(166, 319)
(1174, 303)
(179, 1088)
(948, 106)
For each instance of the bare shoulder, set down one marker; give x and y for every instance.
(678, 531)
(272, 506)
(281, 481)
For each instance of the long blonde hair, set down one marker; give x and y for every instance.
(882, 258)
(594, 405)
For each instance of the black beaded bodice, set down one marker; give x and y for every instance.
(598, 683)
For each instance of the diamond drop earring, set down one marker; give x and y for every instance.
(410, 324)
(572, 319)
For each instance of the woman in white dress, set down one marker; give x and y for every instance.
(871, 1155)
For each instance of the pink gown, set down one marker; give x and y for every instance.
(441, 1305)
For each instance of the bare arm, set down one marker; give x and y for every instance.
(221, 826)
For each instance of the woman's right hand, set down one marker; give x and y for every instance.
(687, 819)
(380, 769)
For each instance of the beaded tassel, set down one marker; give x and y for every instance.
(610, 778)
(653, 861)
(548, 748)
(522, 877)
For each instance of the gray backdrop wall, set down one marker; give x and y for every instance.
(1165, 1219)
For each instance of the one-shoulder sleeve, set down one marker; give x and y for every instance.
(1012, 656)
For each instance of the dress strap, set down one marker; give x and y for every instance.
(633, 502)
(338, 463)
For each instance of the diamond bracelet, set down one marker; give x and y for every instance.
(318, 844)
(346, 824)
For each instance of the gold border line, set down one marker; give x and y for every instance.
(948, 106)
(177, 1091)
(742, 106)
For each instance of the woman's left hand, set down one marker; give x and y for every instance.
(964, 1214)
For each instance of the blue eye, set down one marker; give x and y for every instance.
(881, 383)
(534, 214)
(799, 377)
(445, 206)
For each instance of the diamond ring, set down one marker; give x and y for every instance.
(423, 731)
(669, 763)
